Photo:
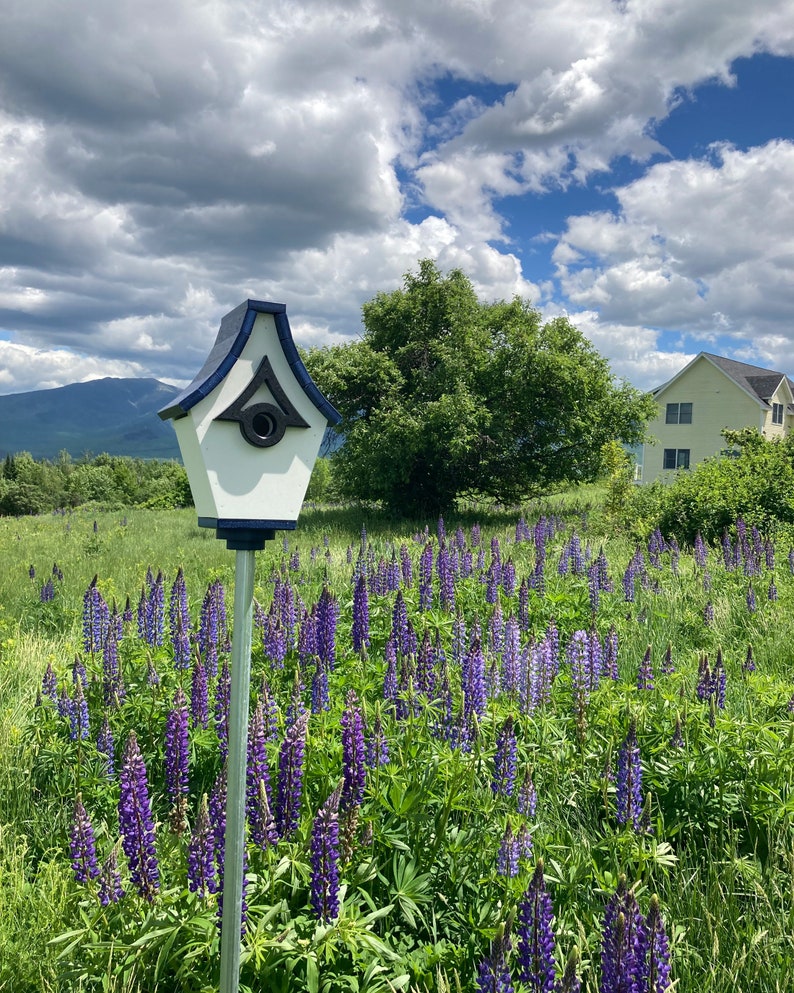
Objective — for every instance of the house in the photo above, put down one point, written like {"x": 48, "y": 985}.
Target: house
{"x": 708, "y": 395}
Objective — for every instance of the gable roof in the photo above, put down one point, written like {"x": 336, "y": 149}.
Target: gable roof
{"x": 760, "y": 384}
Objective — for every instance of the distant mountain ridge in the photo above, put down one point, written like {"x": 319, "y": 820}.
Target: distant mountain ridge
{"x": 117, "y": 416}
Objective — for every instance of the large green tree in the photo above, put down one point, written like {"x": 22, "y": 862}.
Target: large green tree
{"x": 445, "y": 394}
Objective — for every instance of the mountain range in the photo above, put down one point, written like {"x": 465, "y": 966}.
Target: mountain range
{"x": 116, "y": 416}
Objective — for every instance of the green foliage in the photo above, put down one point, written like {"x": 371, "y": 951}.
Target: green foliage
{"x": 28, "y": 486}
{"x": 756, "y": 485}
{"x": 446, "y": 395}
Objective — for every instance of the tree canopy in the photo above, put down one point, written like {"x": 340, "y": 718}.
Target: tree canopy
{"x": 445, "y": 395}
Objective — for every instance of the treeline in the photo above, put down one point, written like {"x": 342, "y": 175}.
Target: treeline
{"x": 30, "y": 486}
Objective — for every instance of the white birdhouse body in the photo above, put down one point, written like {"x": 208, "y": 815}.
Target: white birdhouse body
{"x": 251, "y": 423}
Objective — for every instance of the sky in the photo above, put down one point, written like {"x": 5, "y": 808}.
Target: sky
{"x": 627, "y": 164}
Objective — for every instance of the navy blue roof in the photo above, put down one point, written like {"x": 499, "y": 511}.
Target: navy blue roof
{"x": 235, "y": 330}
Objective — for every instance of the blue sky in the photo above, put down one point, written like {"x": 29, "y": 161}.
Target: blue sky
{"x": 629, "y": 164}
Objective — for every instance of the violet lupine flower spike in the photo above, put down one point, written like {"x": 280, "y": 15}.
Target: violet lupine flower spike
{"x": 136, "y": 822}
{"x": 290, "y": 776}
{"x": 176, "y": 761}
{"x": 569, "y": 981}
{"x": 258, "y": 800}
{"x": 201, "y": 876}
{"x": 325, "y": 859}
{"x": 504, "y": 774}
{"x": 110, "y": 888}
{"x": 493, "y": 975}
{"x": 629, "y": 781}
{"x": 82, "y": 845}
{"x": 508, "y": 855}
{"x": 536, "y": 936}
{"x": 354, "y": 768}
{"x": 624, "y": 944}
{"x": 658, "y": 964}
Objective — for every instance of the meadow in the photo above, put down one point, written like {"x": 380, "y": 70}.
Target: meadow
{"x": 485, "y": 753}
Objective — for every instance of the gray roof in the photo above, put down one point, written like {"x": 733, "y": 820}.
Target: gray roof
{"x": 760, "y": 382}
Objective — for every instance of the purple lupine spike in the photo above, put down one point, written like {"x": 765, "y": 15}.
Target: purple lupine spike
{"x": 610, "y": 661}
{"x": 593, "y": 588}
{"x": 772, "y": 593}
{"x": 199, "y": 695}
{"x": 509, "y": 578}
{"x": 202, "y": 877}
{"x": 630, "y": 582}
{"x": 446, "y": 578}
{"x": 708, "y": 614}
{"x": 79, "y": 675}
{"x": 504, "y": 773}
{"x": 496, "y": 630}
{"x": 274, "y": 640}
{"x": 492, "y": 583}
{"x": 406, "y": 566}
{"x": 703, "y": 688}
{"x": 321, "y": 697}
{"x": 78, "y": 715}
{"x": 667, "y": 665}
{"x": 217, "y": 812}
{"x": 645, "y": 672}
{"x": 523, "y": 604}
{"x": 176, "y": 760}
{"x": 107, "y": 746}
{"x": 179, "y": 621}
{"x": 473, "y": 679}
{"x": 624, "y": 944}
{"x": 749, "y": 662}
{"x": 269, "y": 710}
{"x": 65, "y": 704}
{"x": 325, "y": 859}
{"x": 296, "y": 707}
{"x": 510, "y": 655}
{"x": 32, "y": 571}
{"x": 525, "y": 843}
{"x": 354, "y": 768}
{"x": 96, "y": 618}
{"x": 577, "y": 657}
{"x": 377, "y": 746}
{"x": 136, "y": 823}
{"x": 719, "y": 681}
{"x": 426, "y": 577}
{"x": 507, "y": 856}
{"x": 49, "y": 683}
{"x": 258, "y": 796}
{"x": 425, "y": 680}
{"x": 47, "y": 591}
{"x": 751, "y": 603}
{"x": 126, "y": 614}
{"x": 360, "y": 617}
{"x": 290, "y": 776}
{"x": 629, "y": 781}
{"x": 527, "y": 795}
{"x": 208, "y": 634}
{"x": 155, "y": 612}
{"x": 110, "y": 888}
{"x": 493, "y": 974}
{"x": 700, "y": 551}
{"x": 82, "y": 844}
{"x": 307, "y": 637}
{"x": 113, "y": 689}
{"x": 536, "y": 935}
{"x": 658, "y": 965}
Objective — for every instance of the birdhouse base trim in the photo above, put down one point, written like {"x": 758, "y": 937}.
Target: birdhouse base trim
{"x": 245, "y": 535}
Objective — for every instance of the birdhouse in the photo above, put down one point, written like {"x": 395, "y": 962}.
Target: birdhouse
{"x": 250, "y": 426}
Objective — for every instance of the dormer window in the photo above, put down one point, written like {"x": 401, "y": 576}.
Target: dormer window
{"x": 777, "y": 413}
{"x": 679, "y": 413}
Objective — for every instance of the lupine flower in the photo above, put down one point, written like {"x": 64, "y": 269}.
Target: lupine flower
{"x": 110, "y": 888}
{"x": 677, "y": 741}
{"x": 353, "y": 754}
{"x": 426, "y": 577}
{"x": 700, "y": 551}
{"x": 155, "y": 612}
{"x": 78, "y": 715}
{"x": 176, "y": 760}
{"x": 473, "y": 679}
{"x": 629, "y": 781}
{"x": 179, "y": 621}
{"x": 290, "y": 776}
{"x": 527, "y": 795}
{"x": 645, "y": 673}
{"x": 321, "y": 697}
{"x": 136, "y": 822}
{"x": 199, "y": 696}
{"x": 377, "y": 746}
{"x": 325, "y": 859}
{"x": 772, "y": 591}
{"x": 504, "y": 774}
{"x": 95, "y": 618}
{"x": 82, "y": 844}
{"x": 360, "y": 616}
{"x": 258, "y": 798}
{"x": 49, "y": 683}
{"x": 535, "y": 936}
{"x": 493, "y": 975}
{"x": 65, "y": 704}
{"x": 327, "y": 617}
{"x": 749, "y": 661}
{"x": 269, "y": 710}
{"x": 508, "y": 854}
{"x": 708, "y": 614}
{"x": 751, "y": 603}
{"x": 624, "y": 944}
{"x": 106, "y": 745}
{"x": 446, "y": 579}
{"x": 113, "y": 690}
{"x": 47, "y": 591}
{"x": 658, "y": 965}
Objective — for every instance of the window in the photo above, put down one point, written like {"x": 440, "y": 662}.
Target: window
{"x": 678, "y": 413}
{"x": 777, "y": 413}
{"x": 676, "y": 458}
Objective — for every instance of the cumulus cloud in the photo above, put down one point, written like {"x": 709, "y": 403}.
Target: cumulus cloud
{"x": 704, "y": 246}
{"x": 162, "y": 161}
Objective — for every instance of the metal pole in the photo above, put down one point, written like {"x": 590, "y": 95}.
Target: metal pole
{"x": 235, "y": 771}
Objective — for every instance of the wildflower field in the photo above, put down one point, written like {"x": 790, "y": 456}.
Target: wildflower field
{"x": 512, "y": 752}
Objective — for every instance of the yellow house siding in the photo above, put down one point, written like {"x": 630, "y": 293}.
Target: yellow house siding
{"x": 717, "y": 403}
{"x": 771, "y": 430}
